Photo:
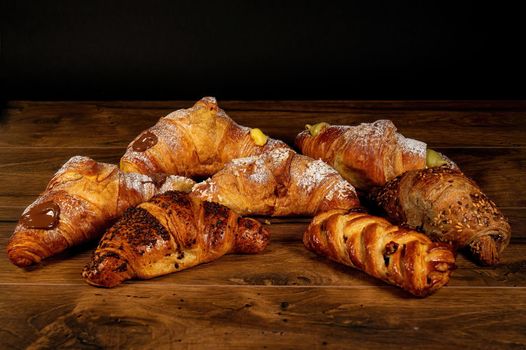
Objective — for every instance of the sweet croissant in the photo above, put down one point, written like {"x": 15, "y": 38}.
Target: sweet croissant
{"x": 194, "y": 142}
{"x": 449, "y": 207}
{"x": 81, "y": 199}
{"x": 171, "y": 232}
{"x": 278, "y": 183}
{"x": 396, "y": 255}
{"x": 369, "y": 154}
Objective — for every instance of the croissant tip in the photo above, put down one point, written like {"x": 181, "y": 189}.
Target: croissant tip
{"x": 485, "y": 250}
{"x": 22, "y": 257}
{"x": 251, "y": 237}
{"x": 108, "y": 279}
{"x": 21, "y": 261}
{"x": 436, "y": 280}
{"x": 106, "y": 269}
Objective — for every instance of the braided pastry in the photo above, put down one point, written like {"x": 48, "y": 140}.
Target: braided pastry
{"x": 396, "y": 255}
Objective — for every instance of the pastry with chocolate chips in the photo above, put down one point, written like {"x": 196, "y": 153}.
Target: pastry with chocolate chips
{"x": 170, "y": 232}
{"x": 396, "y": 255}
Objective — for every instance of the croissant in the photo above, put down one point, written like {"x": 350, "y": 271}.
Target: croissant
{"x": 278, "y": 183}
{"x": 396, "y": 255}
{"x": 369, "y": 154}
{"x": 81, "y": 199}
{"x": 449, "y": 207}
{"x": 194, "y": 142}
{"x": 171, "y": 232}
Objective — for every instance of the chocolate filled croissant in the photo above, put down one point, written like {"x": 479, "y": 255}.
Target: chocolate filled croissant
{"x": 449, "y": 207}
{"x": 194, "y": 142}
{"x": 278, "y": 183}
{"x": 399, "y": 256}
{"x": 171, "y": 232}
{"x": 369, "y": 154}
{"x": 81, "y": 199}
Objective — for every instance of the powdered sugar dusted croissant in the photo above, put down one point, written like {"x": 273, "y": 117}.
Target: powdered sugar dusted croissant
{"x": 449, "y": 207}
{"x": 369, "y": 154}
{"x": 280, "y": 182}
{"x": 81, "y": 199}
{"x": 195, "y": 142}
{"x": 396, "y": 255}
{"x": 171, "y": 232}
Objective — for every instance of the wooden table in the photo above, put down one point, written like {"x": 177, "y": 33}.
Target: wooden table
{"x": 285, "y": 297}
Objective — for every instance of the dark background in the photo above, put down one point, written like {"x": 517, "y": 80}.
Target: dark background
{"x": 261, "y": 50}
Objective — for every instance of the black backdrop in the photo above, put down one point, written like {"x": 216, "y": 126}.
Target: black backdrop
{"x": 66, "y": 49}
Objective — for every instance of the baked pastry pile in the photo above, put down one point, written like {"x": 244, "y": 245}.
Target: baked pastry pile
{"x": 155, "y": 220}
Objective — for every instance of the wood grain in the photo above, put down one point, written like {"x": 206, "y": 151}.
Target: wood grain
{"x": 145, "y": 316}
{"x": 99, "y": 124}
{"x": 286, "y": 297}
{"x": 302, "y": 267}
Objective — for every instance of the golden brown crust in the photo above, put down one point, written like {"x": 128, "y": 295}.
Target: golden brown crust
{"x": 194, "y": 142}
{"x": 278, "y": 183}
{"x": 169, "y": 233}
{"x": 89, "y": 195}
{"x": 449, "y": 207}
{"x": 398, "y": 256}
{"x": 366, "y": 155}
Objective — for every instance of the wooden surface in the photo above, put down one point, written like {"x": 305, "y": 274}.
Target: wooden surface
{"x": 285, "y": 297}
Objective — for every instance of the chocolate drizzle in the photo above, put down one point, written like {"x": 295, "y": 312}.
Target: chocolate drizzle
{"x": 145, "y": 141}
{"x": 42, "y": 216}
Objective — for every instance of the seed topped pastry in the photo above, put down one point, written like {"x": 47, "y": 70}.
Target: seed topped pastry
{"x": 449, "y": 207}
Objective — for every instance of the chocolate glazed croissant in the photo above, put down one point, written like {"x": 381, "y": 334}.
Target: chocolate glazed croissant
{"x": 369, "y": 154}
{"x": 396, "y": 255}
{"x": 194, "y": 142}
{"x": 171, "y": 232}
{"x": 81, "y": 199}
{"x": 278, "y": 183}
{"x": 449, "y": 207}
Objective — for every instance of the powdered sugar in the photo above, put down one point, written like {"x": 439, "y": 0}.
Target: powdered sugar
{"x": 379, "y": 133}
{"x": 141, "y": 183}
{"x": 315, "y": 172}
{"x": 205, "y": 190}
{"x": 243, "y": 161}
{"x": 75, "y": 160}
{"x": 341, "y": 189}
{"x": 279, "y": 155}
{"x": 369, "y": 133}
{"x": 274, "y": 144}
{"x": 168, "y": 133}
{"x": 79, "y": 162}
{"x": 178, "y": 114}
{"x": 177, "y": 183}
{"x": 411, "y": 145}
{"x": 209, "y": 99}
{"x": 263, "y": 165}
{"x": 260, "y": 173}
